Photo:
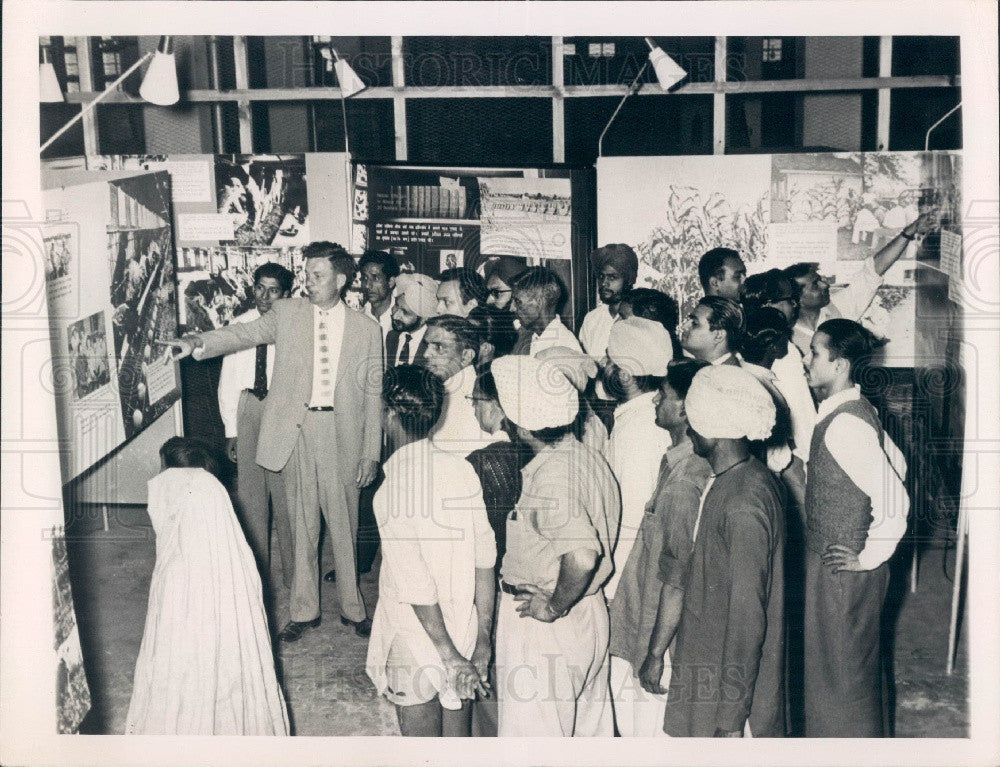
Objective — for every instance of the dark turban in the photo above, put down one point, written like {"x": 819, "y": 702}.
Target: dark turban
{"x": 621, "y": 257}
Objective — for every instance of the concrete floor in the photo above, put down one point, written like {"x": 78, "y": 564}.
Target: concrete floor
{"x": 323, "y": 674}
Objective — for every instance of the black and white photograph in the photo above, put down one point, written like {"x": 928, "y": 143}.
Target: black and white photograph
{"x": 87, "y": 345}
{"x": 634, "y": 388}
{"x": 266, "y": 198}
{"x": 58, "y": 256}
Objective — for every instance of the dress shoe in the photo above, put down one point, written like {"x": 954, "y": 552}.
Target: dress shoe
{"x": 294, "y": 629}
{"x": 361, "y": 628}
{"x": 330, "y": 577}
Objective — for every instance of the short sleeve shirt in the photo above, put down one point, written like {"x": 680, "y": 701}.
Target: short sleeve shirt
{"x": 569, "y": 501}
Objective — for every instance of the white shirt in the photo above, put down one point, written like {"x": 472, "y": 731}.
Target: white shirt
{"x": 876, "y": 470}
{"x": 595, "y": 330}
{"x": 415, "y": 338}
{"x": 334, "y": 317}
{"x": 850, "y": 302}
{"x": 238, "y": 371}
{"x": 457, "y": 429}
{"x": 723, "y": 359}
{"x": 555, "y": 334}
{"x": 790, "y": 380}
{"x": 435, "y": 534}
{"x": 634, "y": 451}
{"x": 384, "y": 320}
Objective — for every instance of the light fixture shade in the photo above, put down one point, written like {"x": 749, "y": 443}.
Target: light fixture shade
{"x": 349, "y": 81}
{"x": 50, "y": 92}
{"x": 668, "y": 72}
{"x": 159, "y": 86}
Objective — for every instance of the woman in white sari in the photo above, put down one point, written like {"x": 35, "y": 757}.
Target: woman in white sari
{"x": 205, "y": 665}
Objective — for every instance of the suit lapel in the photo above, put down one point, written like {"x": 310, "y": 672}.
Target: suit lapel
{"x": 348, "y": 346}
{"x": 305, "y": 324}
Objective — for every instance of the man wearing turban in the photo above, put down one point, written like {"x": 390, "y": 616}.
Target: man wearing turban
{"x": 552, "y": 625}
{"x": 615, "y": 268}
{"x": 416, "y": 302}
{"x": 727, "y": 675}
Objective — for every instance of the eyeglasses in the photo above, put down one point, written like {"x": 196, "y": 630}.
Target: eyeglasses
{"x": 497, "y": 292}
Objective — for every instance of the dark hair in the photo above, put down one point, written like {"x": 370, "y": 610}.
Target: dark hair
{"x": 487, "y": 384}
{"x": 767, "y": 332}
{"x": 768, "y": 287}
{"x": 680, "y": 374}
{"x": 275, "y": 272}
{"x": 544, "y": 279}
{"x": 712, "y": 264}
{"x": 495, "y": 327}
{"x": 341, "y": 261}
{"x": 466, "y": 334}
{"x": 470, "y": 284}
{"x": 799, "y": 270}
{"x": 726, "y": 315}
{"x": 385, "y": 261}
{"x": 189, "y": 452}
{"x": 415, "y": 395}
{"x": 852, "y": 341}
{"x": 200, "y": 288}
{"x": 657, "y": 306}
{"x": 552, "y": 434}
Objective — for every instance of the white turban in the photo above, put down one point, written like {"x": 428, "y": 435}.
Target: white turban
{"x": 727, "y": 402}
{"x": 641, "y": 347}
{"x": 420, "y": 292}
{"x": 579, "y": 368}
{"x": 534, "y": 394}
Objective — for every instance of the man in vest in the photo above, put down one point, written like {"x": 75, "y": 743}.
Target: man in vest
{"x": 856, "y": 508}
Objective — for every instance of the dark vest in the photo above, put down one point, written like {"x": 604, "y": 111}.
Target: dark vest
{"x": 836, "y": 510}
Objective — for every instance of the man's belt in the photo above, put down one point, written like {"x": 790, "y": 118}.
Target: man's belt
{"x": 321, "y": 409}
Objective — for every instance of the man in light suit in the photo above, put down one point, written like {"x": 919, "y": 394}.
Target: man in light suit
{"x": 321, "y": 426}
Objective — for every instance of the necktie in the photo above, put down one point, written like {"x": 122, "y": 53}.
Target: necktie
{"x": 404, "y": 350}
{"x": 325, "y": 377}
{"x": 260, "y": 372}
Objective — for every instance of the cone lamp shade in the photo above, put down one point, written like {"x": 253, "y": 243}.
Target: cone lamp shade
{"x": 668, "y": 72}
{"x": 159, "y": 86}
{"x": 349, "y": 81}
{"x": 50, "y": 92}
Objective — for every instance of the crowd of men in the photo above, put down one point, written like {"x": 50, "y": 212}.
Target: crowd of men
{"x": 580, "y": 535}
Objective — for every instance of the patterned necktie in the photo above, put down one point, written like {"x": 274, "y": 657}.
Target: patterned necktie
{"x": 404, "y": 350}
{"x": 260, "y": 372}
{"x": 325, "y": 382}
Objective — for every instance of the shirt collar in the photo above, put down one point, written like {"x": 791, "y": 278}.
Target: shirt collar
{"x": 678, "y": 452}
{"x": 834, "y": 401}
{"x": 462, "y": 382}
{"x": 553, "y": 326}
{"x": 334, "y": 311}
{"x": 723, "y": 359}
{"x": 641, "y": 402}
{"x": 542, "y": 456}
{"x": 415, "y": 335}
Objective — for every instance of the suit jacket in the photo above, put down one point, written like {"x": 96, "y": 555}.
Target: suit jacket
{"x": 392, "y": 348}
{"x": 357, "y": 393}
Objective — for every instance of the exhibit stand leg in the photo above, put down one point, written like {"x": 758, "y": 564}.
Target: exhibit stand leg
{"x": 956, "y": 589}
